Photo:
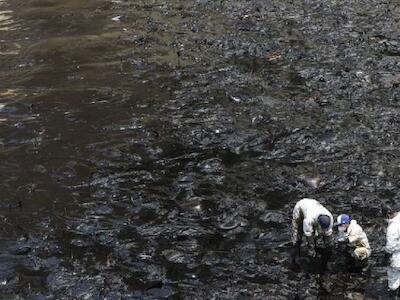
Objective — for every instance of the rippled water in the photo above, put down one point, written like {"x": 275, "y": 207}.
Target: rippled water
{"x": 155, "y": 149}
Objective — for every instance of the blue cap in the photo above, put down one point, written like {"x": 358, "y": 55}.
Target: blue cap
{"x": 342, "y": 219}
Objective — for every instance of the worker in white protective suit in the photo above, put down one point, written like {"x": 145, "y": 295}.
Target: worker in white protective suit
{"x": 311, "y": 219}
{"x": 357, "y": 245}
{"x": 393, "y": 248}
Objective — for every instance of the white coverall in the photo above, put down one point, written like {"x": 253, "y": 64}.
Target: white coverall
{"x": 357, "y": 240}
{"x": 393, "y": 247}
{"x": 305, "y": 219}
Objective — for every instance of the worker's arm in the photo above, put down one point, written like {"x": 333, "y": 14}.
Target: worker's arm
{"x": 308, "y": 227}
{"x": 392, "y": 240}
{"x": 353, "y": 239}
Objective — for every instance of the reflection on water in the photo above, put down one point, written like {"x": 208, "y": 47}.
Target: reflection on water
{"x": 6, "y": 19}
{"x": 7, "y": 23}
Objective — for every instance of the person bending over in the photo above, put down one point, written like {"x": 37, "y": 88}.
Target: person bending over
{"x": 312, "y": 219}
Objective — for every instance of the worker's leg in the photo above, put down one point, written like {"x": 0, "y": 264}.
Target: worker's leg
{"x": 297, "y": 230}
{"x": 297, "y": 226}
{"x": 393, "y": 278}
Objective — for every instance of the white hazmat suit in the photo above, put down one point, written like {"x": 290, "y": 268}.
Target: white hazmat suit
{"x": 393, "y": 248}
{"x": 358, "y": 241}
{"x": 305, "y": 220}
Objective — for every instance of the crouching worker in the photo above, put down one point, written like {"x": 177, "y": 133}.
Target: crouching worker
{"x": 313, "y": 220}
{"x": 356, "y": 241}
